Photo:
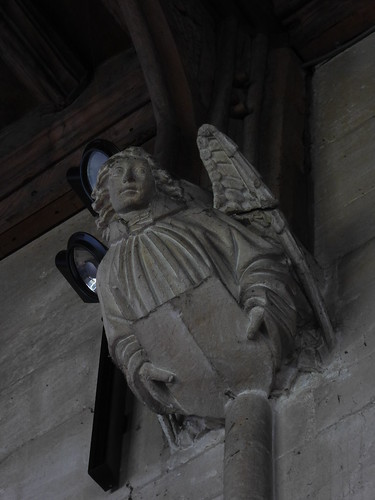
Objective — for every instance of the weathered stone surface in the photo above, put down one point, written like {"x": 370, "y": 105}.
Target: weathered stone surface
{"x": 49, "y": 357}
{"x": 356, "y": 314}
{"x": 151, "y": 471}
{"x": 50, "y": 319}
{"x": 328, "y": 447}
{"x": 47, "y": 397}
{"x": 325, "y": 425}
{"x": 295, "y": 417}
{"x": 323, "y": 432}
{"x": 248, "y": 464}
{"x": 51, "y": 466}
{"x": 145, "y": 450}
{"x": 344, "y": 192}
{"x": 342, "y": 154}
{"x": 343, "y": 93}
{"x": 337, "y": 464}
{"x": 199, "y": 478}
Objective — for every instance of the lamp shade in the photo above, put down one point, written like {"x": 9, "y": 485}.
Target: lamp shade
{"x": 79, "y": 264}
{"x": 94, "y": 155}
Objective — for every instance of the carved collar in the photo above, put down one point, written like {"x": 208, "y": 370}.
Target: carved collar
{"x": 134, "y": 222}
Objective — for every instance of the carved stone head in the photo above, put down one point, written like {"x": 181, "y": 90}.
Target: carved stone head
{"x": 129, "y": 181}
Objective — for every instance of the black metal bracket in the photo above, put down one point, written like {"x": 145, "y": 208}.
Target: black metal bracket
{"x": 109, "y": 422}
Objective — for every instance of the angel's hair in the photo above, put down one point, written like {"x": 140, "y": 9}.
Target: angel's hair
{"x": 102, "y": 204}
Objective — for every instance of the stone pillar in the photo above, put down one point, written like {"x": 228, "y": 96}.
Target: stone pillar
{"x": 248, "y": 448}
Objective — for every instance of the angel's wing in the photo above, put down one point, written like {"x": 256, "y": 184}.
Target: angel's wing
{"x": 236, "y": 185}
{"x": 239, "y": 190}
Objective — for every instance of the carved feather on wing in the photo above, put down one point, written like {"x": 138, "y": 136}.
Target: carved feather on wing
{"x": 236, "y": 186}
{"x": 238, "y": 190}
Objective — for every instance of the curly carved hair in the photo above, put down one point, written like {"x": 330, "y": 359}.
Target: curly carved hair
{"x": 102, "y": 204}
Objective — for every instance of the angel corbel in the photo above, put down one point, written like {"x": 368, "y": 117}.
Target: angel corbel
{"x": 200, "y": 303}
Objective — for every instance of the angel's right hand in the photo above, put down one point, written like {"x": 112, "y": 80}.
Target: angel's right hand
{"x": 146, "y": 380}
{"x": 148, "y": 372}
{"x": 156, "y": 392}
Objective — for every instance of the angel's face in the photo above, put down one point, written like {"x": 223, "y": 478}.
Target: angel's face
{"x": 131, "y": 185}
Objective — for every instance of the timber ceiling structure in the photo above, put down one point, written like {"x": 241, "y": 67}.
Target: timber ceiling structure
{"x": 149, "y": 72}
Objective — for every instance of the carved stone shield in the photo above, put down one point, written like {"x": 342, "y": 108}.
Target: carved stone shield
{"x": 200, "y": 336}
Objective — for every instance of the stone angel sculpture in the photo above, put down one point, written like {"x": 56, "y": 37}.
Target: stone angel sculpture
{"x": 200, "y": 302}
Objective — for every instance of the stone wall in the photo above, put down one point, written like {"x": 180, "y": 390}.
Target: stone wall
{"x": 49, "y": 356}
{"x": 324, "y": 426}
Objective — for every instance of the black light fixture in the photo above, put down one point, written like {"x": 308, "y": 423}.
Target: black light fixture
{"x": 109, "y": 423}
{"x": 83, "y": 178}
{"x": 94, "y": 155}
{"x": 79, "y": 263}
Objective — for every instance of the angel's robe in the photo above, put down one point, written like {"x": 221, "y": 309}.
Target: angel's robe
{"x": 163, "y": 256}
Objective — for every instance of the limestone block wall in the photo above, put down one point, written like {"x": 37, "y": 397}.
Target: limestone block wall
{"x": 325, "y": 427}
{"x": 49, "y": 352}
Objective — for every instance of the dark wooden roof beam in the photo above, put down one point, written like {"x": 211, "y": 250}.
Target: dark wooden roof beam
{"x": 51, "y": 184}
{"x": 34, "y": 192}
{"x": 166, "y": 80}
{"x": 117, "y": 90}
{"x": 37, "y": 56}
{"x": 316, "y": 28}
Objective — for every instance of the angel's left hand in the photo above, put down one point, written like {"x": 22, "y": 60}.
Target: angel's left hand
{"x": 256, "y": 317}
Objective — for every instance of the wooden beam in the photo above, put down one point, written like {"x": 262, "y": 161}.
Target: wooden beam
{"x": 194, "y": 28}
{"x": 260, "y": 15}
{"x": 257, "y": 74}
{"x": 224, "y": 72}
{"x": 283, "y": 8}
{"x": 38, "y": 57}
{"x": 30, "y": 147}
{"x": 37, "y": 152}
{"x": 166, "y": 80}
{"x": 39, "y": 223}
{"x": 51, "y": 184}
{"x": 317, "y": 27}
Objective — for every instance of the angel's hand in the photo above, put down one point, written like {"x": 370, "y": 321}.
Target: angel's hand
{"x": 155, "y": 381}
{"x": 256, "y": 317}
{"x": 148, "y": 371}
